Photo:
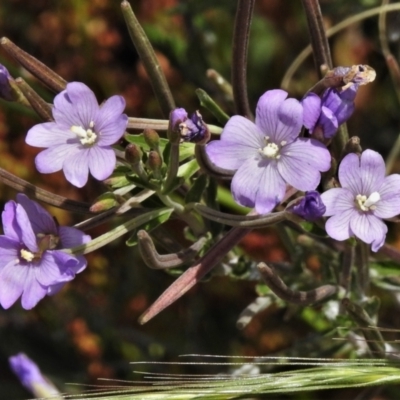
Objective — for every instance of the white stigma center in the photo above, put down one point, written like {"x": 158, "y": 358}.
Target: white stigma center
{"x": 367, "y": 204}
{"x": 271, "y": 150}
{"x": 27, "y": 255}
{"x": 86, "y": 136}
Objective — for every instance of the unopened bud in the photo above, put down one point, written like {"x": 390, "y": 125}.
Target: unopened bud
{"x": 310, "y": 207}
{"x": 104, "y": 202}
{"x": 151, "y": 138}
{"x": 154, "y": 162}
{"x": 133, "y": 154}
{"x": 5, "y": 87}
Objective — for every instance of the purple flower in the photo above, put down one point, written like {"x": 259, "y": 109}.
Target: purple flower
{"x": 310, "y": 206}
{"x": 5, "y": 88}
{"x": 80, "y": 139}
{"x": 365, "y": 198}
{"x": 30, "y": 376}
{"x": 30, "y": 264}
{"x": 328, "y": 113}
{"x": 269, "y": 154}
{"x": 191, "y": 129}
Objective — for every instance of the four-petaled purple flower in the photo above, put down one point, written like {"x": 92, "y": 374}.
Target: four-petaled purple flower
{"x": 30, "y": 264}
{"x": 30, "y": 376}
{"x": 327, "y": 114}
{"x": 365, "y": 198}
{"x": 80, "y": 139}
{"x": 310, "y": 207}
{"x": 268, "y": 154}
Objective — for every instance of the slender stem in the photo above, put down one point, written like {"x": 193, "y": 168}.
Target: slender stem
{"x": 42, "y": 108}
{"x": 117, "y": 232}
{"x": 285, "y": 83}
{"x": 160, "y": 125}
{"x": 393, "y": 154}
{"x": 172, "y": 171}
{"x": 149, "y": 59}
{"x": 195, "y": 273}
{"x": 243, "y": 221}
{"x": 362, "y": 264}
{"x": 275, "y": 283}
{"x": 319, "y": 41}
{"x": 47, "y": 197}
{"x": 244, "y": 13}
{"x": 34, "y": 66}
{"x": 347, "y": 263}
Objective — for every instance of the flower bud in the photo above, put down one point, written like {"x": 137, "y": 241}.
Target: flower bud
{"x": 191, "y": 129}
{"x": 154, "y": 162}
{"x": 310, "y": 207}
{"x": 151, "y": 138}
{"x": 30, "y": 376}
{"x": 6, "y": 92}
{"x": 104, "y": 202}
{"x": 133, "y": 154}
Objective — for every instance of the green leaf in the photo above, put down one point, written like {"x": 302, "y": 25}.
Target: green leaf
{"x": 189, "y": 169}
{"x": 148, "y": 227}
{"x": 196, "y": 191}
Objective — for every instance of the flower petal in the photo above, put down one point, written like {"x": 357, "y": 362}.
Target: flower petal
{"x": 245, "y": 183}
{"x": 328, "y": 122}
{"x": 369, "y": 229}
{"x": 71, "y": 237}
{"x": 258, "y": 184}
{"x": 52, "y": 159}
{"x": 290, "y": 121}
{"x": 267, "y": 110}
{"x": 76, "y": 168}
{"x": 239, "y": 141}
{"x": 301, "y": 162}
{"x": 49, "y": 134}
{"x": 389, "y": 204}
{"x": 372, "y": 171}
{"x": 12, "y": 282}
{"x": 338, "y": 226}
{"x": 349, "y": 174}
{"x": 337, "y": 201}
{"x": 85, "y": 106}
{"x": 28, "y": 236}
{"x": 102, "y": 162}
{"x": 33, "y": 291}
{"x": 10, "y": 225}
{"x": 271, "y": 189}
{"x": 40, "y": 219}
{"x": 110, "y": 123}
{"x": 54, "y": 268}
{"x": 311, "y": 110}
{"x": 9, "y": 250}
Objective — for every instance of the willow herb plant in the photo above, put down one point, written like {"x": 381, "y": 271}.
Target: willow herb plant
{"x": 293, "y": 165}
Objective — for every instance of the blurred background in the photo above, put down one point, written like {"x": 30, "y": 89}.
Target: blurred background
{"x": 90, "y": 329}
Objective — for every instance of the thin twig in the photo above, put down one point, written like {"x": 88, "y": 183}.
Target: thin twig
{"x": 47, "y": 197}
{"x": 319, "y": 41}
{"x": 149, "y": 60}
{"x": 244, "y": 13}
{"x": 275, "y": 283}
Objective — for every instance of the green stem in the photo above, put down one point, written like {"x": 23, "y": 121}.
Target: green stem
{"x": 149, "y": 59}
{"x": 117, "y": 232}
{"x": 173, "y": 167}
